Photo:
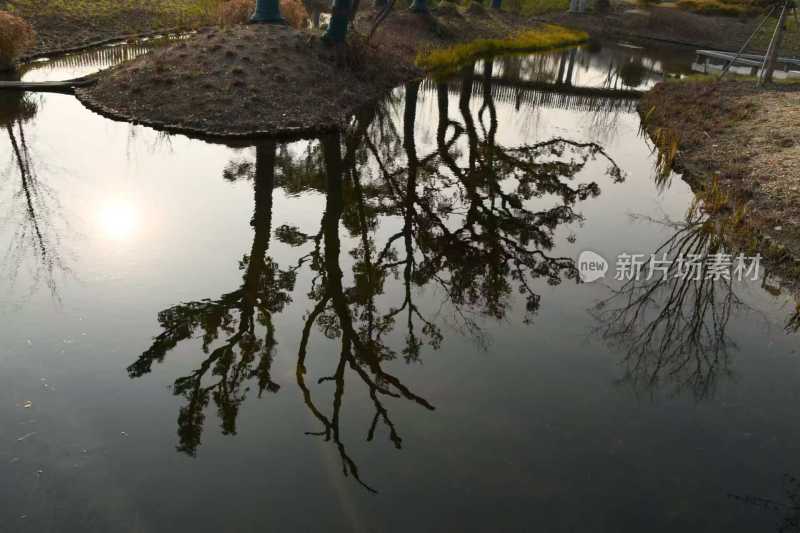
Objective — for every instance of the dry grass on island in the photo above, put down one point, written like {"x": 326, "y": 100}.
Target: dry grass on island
{"x": 244, "y": 80}
{"x": 250, "y": 80}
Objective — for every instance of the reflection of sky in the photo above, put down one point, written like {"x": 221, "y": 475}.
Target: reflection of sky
{"x": 595, "y": 67}
{"x": 80, "y": 64}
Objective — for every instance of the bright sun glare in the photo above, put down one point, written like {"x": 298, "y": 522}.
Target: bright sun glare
{"x": 119, "y": 221}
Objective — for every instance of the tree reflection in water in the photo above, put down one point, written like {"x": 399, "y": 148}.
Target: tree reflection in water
{"x": 265, "y": 290}
{"x": 466, "y": 229}
{"x": 34, "y": 209}
{"x": 673, "y": 328}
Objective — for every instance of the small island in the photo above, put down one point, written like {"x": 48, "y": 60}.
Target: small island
{"x": 272, "y": 79}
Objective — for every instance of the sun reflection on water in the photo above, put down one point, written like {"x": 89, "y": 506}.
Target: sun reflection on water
{"x": 119, "y": 220}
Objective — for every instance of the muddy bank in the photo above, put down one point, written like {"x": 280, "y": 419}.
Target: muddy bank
{"x": 270, "y": 80}
{"x": 743, "y": 141}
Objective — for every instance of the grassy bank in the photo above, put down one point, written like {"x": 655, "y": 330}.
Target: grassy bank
{"x": 736, "y": 138}
{"x": 544, "y": 38}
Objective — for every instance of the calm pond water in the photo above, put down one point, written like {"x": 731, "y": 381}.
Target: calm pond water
{"x": 380, "y": 330}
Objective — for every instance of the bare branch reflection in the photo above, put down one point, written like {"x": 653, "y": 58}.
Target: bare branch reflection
{"x": 34, "y": 211}
{"x": 438, "y": 236}
{"x": 673, "y": 327}
{"x": 243, "y": 353}
{"x": 789, "y": 509}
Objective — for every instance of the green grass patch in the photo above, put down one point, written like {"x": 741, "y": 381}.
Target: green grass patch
{"x": 545, "y": 38}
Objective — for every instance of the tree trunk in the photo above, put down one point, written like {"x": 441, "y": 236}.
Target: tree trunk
{"x": 443, "y": 106}
{"x": 334, "y": 207}
{"x": 419, "y": 6}
{"x": 340, "y": 19}
{"x": 601, "y": 6}
{"x": 263, "y": 186}
{"x": 570, "y": 67}
{"x": 409, "y": 122}
{"x": 267, "y": 12}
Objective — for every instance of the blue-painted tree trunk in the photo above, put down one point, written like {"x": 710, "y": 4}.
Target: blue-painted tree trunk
{"x": 419, "y": 6}
{"x": 496, "y": 4}
{"x": 340, "y": 19}
{"x": 267, "y": 12}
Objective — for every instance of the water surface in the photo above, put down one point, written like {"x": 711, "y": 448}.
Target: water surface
{"x": 381, "y": 329}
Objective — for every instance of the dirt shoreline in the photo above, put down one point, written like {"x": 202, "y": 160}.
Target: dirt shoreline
{"x": 740, "y": 140}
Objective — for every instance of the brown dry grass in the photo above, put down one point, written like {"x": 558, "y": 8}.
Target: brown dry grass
{"x": 235, "y": 12}
{"x": 295, "y": 13}
{"x": 245, "y": 79}
{"x": 16, "y": 37}
{"x": 743, "y": 139}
